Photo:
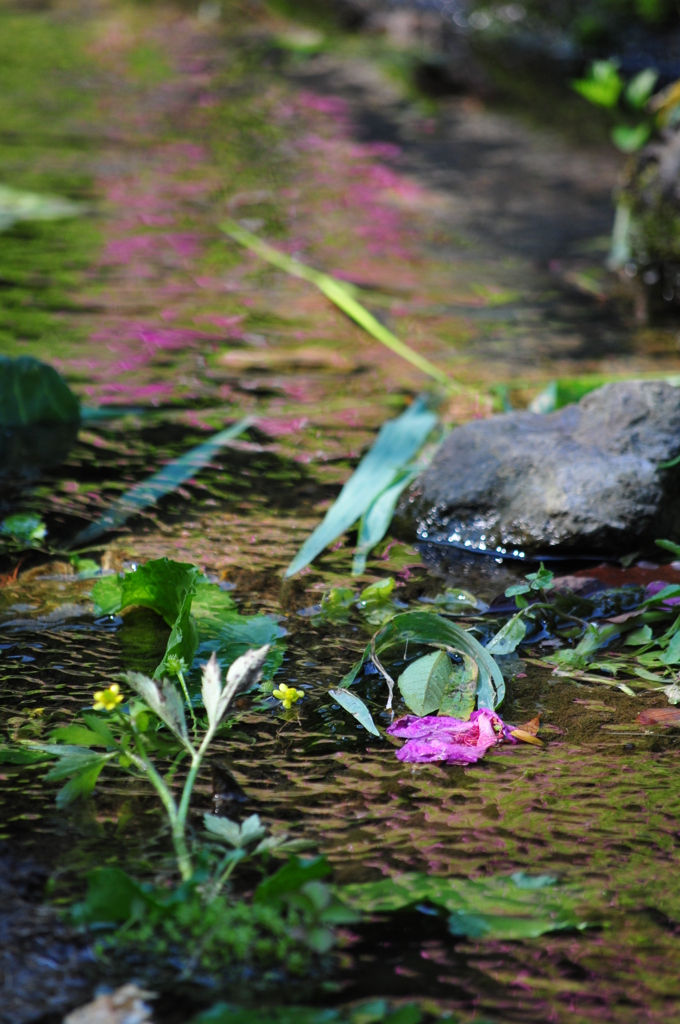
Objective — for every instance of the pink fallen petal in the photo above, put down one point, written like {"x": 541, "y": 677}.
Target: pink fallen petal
{"x": 441, "y": 738}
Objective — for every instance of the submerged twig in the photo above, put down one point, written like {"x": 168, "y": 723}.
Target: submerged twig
{"x": 385, "y": 674}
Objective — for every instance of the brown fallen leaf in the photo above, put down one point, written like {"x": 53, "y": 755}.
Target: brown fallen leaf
{"x": 309, "y": 357}
{"x": 124, "y": 1006}
{"x": 659, "y": 716}
{"x": 526, "y": 737}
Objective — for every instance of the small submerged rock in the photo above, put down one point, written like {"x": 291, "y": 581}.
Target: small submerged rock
{"x": 585, "y": 480}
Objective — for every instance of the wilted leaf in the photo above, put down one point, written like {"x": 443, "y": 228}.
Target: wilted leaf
{"x": 356, "y": 707}
{"x": 659, "y": 716}
{"x": 460, "y": 696}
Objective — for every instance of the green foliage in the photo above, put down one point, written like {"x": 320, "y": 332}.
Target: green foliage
{"x": 509, "y": 637}
{"x": 603, "y": 84}
{"x": 290, "y": 918}
{"x": 604, "y": 87}
{"x": 436, "y": 631}
{"x": 381, "y": 469}
{"x": 377, "y": 1011}
{"x": 32, "y": 392}
{"x": 202, "y": 617}
{"x": 24, "y": 530}
{"x": 497, "y": 907}
{"x": 425, "y": 681}
{"x": 356, "y": 707}
{"x": 461, "y": 695}
{"x": 536, "y": 582}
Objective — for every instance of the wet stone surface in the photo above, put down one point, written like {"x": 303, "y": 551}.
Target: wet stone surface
{"x": 582, "y": 481}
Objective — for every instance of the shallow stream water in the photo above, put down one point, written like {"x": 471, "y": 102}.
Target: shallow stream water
{"x": 477, "y": 238}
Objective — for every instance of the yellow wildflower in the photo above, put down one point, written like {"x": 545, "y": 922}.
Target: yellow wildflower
{"x": 288, "y": 695}
{"x": 108, "y": 700}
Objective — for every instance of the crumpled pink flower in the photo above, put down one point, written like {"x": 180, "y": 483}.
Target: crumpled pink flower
{"x": 442, "y": 738}
{"x": 655, "y": 587}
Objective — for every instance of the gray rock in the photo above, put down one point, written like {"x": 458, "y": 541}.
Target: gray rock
{"x": 583, "y": 480}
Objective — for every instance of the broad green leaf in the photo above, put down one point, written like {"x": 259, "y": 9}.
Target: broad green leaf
{"x": 167, "y": 480}
{"x": 202, "y": 617}
{"x": 97, "y": 723}
{"x": 593, "y": 639}
{"x": 32, "y": 392}
{"x": 396, "y": 444}
{"x": 375, "y": 522}
{"x": 356, "y": 707}
{"x": 342, "y": 295}
{"x": 167, "y": 588}
{"x": 496, "y": 907}
{"x": 81, "y": 784}
{"x": 160, "y": 584}
{"x": 24, "y": 529}
{"x": 603, "y": 85}
{"x": 290, "y": 878}
{"x": 629, "y": 140}
{"x": 112, "y": 898}
{"x": 509, "y": 637}
{"x": 671, "y": 656}
{"x": 435, "y": 630}
{"x": 637, "y": 637}
{"x": 228, "y": 1013}
{"x": 11, "y": 755}
{"x": 640, "y": 88}
{"x": 461, "y": 695}
{"x": 424, "y": 683}
{"x": 499, "y": 926}
{"x": 77, "y": 734}
{"x": 16, "y": 205}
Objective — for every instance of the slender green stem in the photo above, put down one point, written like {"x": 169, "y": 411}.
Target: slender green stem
{"x": 180, "y": 676}
{"x": 177, "y": 827}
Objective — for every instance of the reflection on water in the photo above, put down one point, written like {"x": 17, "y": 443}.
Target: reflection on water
{"x": 154, "y": 310}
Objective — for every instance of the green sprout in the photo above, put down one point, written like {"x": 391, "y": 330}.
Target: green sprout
{"x": 130, "y": 740}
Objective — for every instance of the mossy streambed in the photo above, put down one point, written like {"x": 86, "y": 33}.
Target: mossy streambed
{"x": 160, "y": 120}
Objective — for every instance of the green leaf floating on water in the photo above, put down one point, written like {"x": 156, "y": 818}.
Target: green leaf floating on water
{"x": 356, "y": 707}
{"x": 435, "y": 630}
{"x": 508, "y": 638}
{"x": 167, "y": 480}
{"x": 396, "y": 444}
{"x": 201, "y": 616}
{"x": 498, "y": 907}
{"x": 16, "y": 205}
{"x": 425, "y": 681}
{"x": 32, "y": 392}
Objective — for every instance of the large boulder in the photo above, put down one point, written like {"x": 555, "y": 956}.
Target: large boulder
{"x": 587, "y": 479}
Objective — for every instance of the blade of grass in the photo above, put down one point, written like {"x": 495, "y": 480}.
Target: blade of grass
{"x": 398, "y": 441}
{"x": 157, "y": 486}
{"x": 338, "y": 293}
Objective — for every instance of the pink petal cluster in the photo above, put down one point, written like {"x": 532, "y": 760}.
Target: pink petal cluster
{"x": 440, "y": 738}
